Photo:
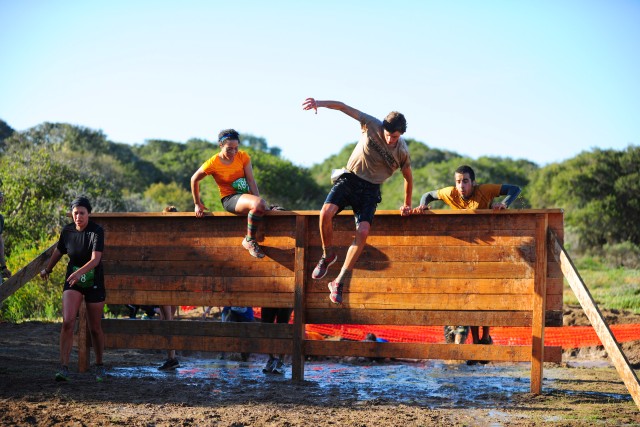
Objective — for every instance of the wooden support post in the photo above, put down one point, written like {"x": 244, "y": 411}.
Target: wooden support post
{"x": 539, "y": 304}
{"x": 84, "y": 339}
{"x": 594, "y": 315}
{"x": 297, "y": 365}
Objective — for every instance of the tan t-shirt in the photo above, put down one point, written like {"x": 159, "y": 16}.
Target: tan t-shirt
{"x": 372, "y": 159}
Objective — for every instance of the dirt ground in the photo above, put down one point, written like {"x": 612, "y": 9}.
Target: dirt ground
{"x": 208, "y": 391}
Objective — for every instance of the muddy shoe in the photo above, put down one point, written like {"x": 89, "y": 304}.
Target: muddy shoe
{"x": 101, "y": 373}
{"x": 253, "y": 248}
{"x": 335, "y": 290}
{"x": 62, "y": 374}
{"x": 169, "y": 364}
{"x": 278, "y": 367}
{"x": 323, "y": 266}
{"x": 268, "y": 368}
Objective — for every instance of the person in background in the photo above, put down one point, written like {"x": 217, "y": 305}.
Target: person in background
{"x": 275, "y": 365}
{"x": 231, "y": 169}
{"x": 5, "y": 273}
{"x": 467, "y": 194}
{"x": 379, "y": 152}
{"x": 238, "y": 314}
{"x": 83, "y": 242}
{"x": 166, "y": 313}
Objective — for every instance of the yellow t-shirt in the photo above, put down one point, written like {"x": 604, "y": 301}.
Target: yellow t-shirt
{"x": 226, "y": 175}
{"x": 482, "y": 196}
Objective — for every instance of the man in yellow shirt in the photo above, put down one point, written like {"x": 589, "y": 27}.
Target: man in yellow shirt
{"x": 467, "y": 194}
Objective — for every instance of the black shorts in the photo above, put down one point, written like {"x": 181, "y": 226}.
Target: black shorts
{"x": 361, "y": 195}
{"x": 229, "y": 202}
{"x": 91, "y": 295}
{"x": 280, "y": 315}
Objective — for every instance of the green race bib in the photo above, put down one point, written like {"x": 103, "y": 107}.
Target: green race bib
{"x": 86, "y": 280}
{"x": 240, "y": 185}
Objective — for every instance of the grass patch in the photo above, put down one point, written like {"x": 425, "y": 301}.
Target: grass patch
{"x": 617, "y": 288}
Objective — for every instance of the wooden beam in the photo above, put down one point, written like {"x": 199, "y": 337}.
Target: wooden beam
{"x": 502, "y": 353}
{"x": 539, "y": 304}
{"x": 27, "y": 273}
{"x": 594, "y": 315}
{"x": 83, "y": 339}
{"x": 297, "y": 365}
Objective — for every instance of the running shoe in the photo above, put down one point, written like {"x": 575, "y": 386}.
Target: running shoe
{"x": 323, "y": 266}
{"x": 279, "y": 367}
{"x": 335, "y": 290}
{"x": 63, "y": 374}
{"x": 169, "y": 364}
{"x": 101, "y": 373}
{"x": 253, "y": 248}
{"x": 268, "y": 368}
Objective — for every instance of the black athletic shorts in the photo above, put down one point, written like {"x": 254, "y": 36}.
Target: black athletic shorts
{"x": 91, "y": 295}
{"x": 229, "y": 202}
{"x": 361, "y": 195}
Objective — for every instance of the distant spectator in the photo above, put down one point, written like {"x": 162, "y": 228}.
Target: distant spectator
{"x": 166, "y": 313}
{"x": 238, "y": 314}
{"x": 275, "y": 365}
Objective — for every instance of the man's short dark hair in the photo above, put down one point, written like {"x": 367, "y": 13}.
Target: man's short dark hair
{"x": 395, "y": 122}
{"x": 226, "y": 134}
{"x": 466, "y": 169}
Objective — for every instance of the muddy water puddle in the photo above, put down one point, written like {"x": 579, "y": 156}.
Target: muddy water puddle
{"x": 433, "y": 384}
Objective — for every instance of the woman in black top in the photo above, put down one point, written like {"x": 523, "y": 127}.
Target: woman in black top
{"x": 83, "y": 242}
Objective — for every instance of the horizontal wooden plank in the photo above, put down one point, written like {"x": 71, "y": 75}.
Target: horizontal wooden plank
{"x": 315, "y": 213}
{"x": 191, "y": 239}
{"x": 426, "y": 351}
{"x": 445, "y": 270}
{"x": 170, "y": 252}
{"x": 198, "y": 328}
{"x": 474, "y": 253}
{"x": 218, "y": 226}
{"x": 441, "y": 224}
{"x": 429, "y": 239}
{"x": 200, "y": 343}
{"x": 250, "y": 299}
{"x": 200, "y": 283}
{"x": 249, "y": 266}
{"x": 420, "y": 302}
{"x": 431, "y": 285}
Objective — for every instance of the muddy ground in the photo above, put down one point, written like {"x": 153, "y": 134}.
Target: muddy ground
{"x": 208, "y": 391}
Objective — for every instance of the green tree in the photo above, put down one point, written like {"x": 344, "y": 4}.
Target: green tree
{"x": 598, "y": 192}
{"x": 169, "y": 194}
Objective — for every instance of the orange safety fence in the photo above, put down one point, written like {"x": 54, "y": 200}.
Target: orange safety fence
{"x": 565, "y": 336}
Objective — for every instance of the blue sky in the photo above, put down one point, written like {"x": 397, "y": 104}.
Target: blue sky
{"x": 540, "y": 80}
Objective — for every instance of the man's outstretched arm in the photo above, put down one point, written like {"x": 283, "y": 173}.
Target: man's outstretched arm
{"x": 314, "y": 104}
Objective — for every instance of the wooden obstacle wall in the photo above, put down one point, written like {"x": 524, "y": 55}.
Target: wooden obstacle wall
{"x": 444, "y": 267}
